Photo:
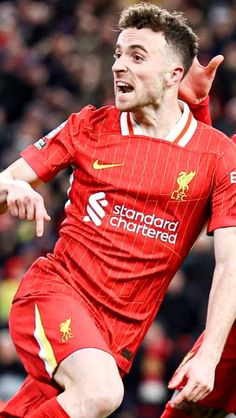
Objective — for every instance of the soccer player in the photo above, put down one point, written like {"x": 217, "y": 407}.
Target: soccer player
{"x": 146, "y": 178}
{"x": 222, "y": 400}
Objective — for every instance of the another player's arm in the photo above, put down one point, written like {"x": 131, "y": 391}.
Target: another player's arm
{"x": 17, "y": 194}
{"x": 195, "y": 87}
{"x": 200, "y": 370}
{"x": 222, "y": 302}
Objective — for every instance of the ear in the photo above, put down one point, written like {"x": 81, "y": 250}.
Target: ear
{"x": 174, "y": 76}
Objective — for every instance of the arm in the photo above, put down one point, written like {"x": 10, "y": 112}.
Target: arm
{"x": 19, "y": 197}
{"x": 195, "y": 87}
{"x": 200, "y": 370}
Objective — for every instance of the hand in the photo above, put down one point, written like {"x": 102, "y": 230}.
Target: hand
{"x": 26, "y": 203}
{"x": 199, "y": 375}
{"x": 197, "y": 83}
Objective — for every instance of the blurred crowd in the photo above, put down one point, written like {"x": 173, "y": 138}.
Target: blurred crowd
{"x": 56, "y": 57}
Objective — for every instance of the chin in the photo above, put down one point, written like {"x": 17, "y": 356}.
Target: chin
{"x": 123, "y": 107}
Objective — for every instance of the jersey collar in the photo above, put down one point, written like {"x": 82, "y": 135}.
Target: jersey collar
{"x": 180, "y": 134}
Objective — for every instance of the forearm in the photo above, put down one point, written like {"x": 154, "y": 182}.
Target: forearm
{"x": 17, "y": 174}
{"x": 18, "y": 195}
{"x": 19, "y": 170}
{"x": 221, "y": 310}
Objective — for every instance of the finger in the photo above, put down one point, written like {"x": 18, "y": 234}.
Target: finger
{"x": 178, "y": 399}
{"x": 29, "y": 208}
{"x": 41, "y": 215}
{"x": 191, "y": 393}
{"x": 21, "y": 209}
{"x": 176, "y": 379}
{"x": 198, "y": 396}
{"x": 47, "y": 217}
{"x": 13, "y": 208}
{"x": 200, "y": 393}
{"x": 39, "y": 226}
{"x": 188, "y": 393}
{"x": 39, "y": 218}
{"x": 213, "y": 65}
{"x": 30, "y": 211}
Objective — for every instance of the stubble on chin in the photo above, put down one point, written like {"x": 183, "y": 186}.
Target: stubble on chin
{"x": 124, "y": 107}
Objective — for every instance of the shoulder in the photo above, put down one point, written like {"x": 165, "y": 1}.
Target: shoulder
{"x": 233, "y": 137}
{"x": 214, "y": 140}
{"x": 89, "y": 117}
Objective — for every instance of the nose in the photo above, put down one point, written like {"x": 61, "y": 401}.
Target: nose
{"x": 119, "y": 65}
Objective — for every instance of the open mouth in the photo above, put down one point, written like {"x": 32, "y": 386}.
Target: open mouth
{"x": 123, "y": 87}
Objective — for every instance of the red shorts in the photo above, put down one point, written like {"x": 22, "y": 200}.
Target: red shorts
{"x": 48, "y": 328}
{"x": 223, "y": 396}
{"x": 29, "y": 397}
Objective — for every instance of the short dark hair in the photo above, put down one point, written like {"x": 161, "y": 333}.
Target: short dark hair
{"x": 173, "y": 25}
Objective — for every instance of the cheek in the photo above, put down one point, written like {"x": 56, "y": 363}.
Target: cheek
{"x": 148, "y": 80}
{"x": 158, "y": 81}
{"x": 152, "y": 84}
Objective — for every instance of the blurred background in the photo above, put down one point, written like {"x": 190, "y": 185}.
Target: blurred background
{"x": 56, "y": 57}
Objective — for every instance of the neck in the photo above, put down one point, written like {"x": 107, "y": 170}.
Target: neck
{"x": 157, "y": 123}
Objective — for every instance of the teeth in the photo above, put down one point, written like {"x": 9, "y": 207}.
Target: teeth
{"x": 122, "y": 84}
{"x": 123, "y": 87}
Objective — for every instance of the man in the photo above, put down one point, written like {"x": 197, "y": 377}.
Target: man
{"x": 145, "y": 182}
{"x": 222, "y": 400}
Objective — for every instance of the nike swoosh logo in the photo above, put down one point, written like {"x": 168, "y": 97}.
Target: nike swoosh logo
{"x": 98, "y": 166}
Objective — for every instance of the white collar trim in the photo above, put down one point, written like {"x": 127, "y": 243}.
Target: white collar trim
{"x": 180, "y": 134}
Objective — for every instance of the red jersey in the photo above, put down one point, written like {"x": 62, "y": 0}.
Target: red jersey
{"x": 136, "y": 206}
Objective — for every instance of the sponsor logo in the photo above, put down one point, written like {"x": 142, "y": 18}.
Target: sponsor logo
{"x": 147, "y": 225}
{"x": 40, "y": 143}
{"x": 99, "y": 166}
{"x": 183, "y": 181}
{"x": 65, "y": 328}
{"x": 94, "y": 208}
{"x": 233, "y": 177}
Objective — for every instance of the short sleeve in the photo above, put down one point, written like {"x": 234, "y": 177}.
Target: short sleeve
{"x": 223, "y": 204}
{"x": 56, "y": 150}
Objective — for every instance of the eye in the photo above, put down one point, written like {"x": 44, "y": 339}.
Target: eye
{"x": 137, "y": 58}
{"x": 117, "y": 55}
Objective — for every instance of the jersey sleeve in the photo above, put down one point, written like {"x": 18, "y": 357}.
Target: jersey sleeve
{"x": 56, "y": 150}
{"x": 201, "y": 111}
{"x": 223, "y": 204}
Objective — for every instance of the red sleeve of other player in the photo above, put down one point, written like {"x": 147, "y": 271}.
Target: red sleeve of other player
{"x": 201, "y": 111}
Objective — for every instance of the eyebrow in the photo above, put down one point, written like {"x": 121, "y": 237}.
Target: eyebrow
{"x": 135, "y": 46}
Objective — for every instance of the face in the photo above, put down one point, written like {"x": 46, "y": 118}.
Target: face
{"x": 140, "y": 69}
